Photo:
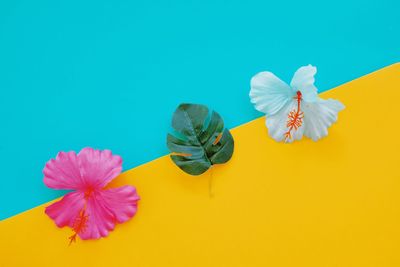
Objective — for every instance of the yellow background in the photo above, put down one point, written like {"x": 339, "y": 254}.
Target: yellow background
{"x": 335, "y": 202}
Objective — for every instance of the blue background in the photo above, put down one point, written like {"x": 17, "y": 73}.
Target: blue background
{"x": 109, "y": 74}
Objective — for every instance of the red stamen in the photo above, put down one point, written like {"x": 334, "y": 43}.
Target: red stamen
{"x": 79, "y": 225}
{"x": 295, "y": 118}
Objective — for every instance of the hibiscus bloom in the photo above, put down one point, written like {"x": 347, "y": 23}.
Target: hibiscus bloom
{"x": 295, "y": 110}
{"x": 90, "y": 210}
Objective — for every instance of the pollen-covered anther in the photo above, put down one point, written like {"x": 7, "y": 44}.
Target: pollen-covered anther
{"x": 79, "y": 225}
{"x": 295, "y": 118}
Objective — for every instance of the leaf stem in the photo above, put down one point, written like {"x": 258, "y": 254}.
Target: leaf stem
{"x": 210, "y": 183}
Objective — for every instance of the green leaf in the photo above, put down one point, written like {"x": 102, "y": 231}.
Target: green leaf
{"x": 200, "y": 140}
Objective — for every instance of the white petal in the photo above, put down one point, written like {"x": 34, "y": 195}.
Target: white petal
{"x": 303, "y": 81}
{"x": 319, "y": 116}
{"x": 268, "y": 93}
{"x": 277, "y": 124}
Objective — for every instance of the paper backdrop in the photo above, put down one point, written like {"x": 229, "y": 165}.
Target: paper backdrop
{"x": 334, "y": 202}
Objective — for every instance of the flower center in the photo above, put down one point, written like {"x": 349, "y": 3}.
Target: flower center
{"x": 88, "y": 192}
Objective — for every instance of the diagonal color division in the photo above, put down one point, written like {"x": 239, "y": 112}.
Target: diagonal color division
{"x": 330, "y": 203}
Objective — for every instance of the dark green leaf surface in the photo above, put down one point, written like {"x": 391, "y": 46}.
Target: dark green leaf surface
{"x": 200, "y": 139}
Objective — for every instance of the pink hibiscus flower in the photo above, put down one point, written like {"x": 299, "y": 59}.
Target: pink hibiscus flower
{"x": 90, "y": 210}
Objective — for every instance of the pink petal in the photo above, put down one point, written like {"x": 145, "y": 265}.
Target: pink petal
{"x": 105, "y": 208}
{"x": 98, "y": 168}
{"x": 63, "y": 172}
{"x": 65, "y": 211}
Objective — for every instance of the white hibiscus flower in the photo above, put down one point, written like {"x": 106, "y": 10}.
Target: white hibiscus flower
{"x": 295, "y": 110}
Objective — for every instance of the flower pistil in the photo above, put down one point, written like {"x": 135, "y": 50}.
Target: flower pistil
{"x": 295, "y": 118}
